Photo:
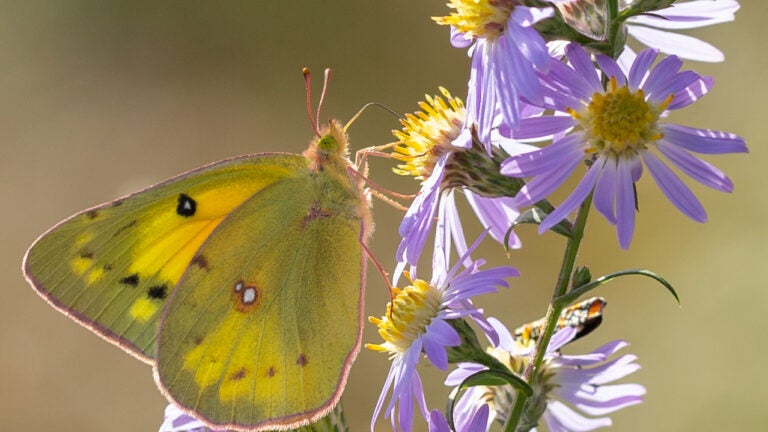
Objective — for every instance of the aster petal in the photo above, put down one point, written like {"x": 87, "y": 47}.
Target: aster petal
{"x": 640, "y": 67}
{"x": 496, "y": 215}
{"x": 577, "y": 85}
{"x": 612, "y": 69}
{"x": 580, "y": 360}
{"x": 482, "y": 282}
{"x": 480, "y": 419}
{"x": 418, "y": 219}
{"x": 692, "y": 93}
{"x": 680, "y": 83}
{"x": 703, "y": 141}
{"x": 625, "y": 203}
{"x": 674, "y": 189}
{"x": 691, "y": 14}
{"x": 612, "y": 347}
{"x": 526, "y": 38}
{"x": 466, "y": 409}
{"x": 177, "y": 420}
{"x": 607, "y": 399}
{"x": 664, "y": 71}
{"x": 570, "y": 420}
{"x": 439, "y": 334}
{"x": 582, "y": 64}
{"x": 476, "y": 315}
{"x": 459, "y": 39}
{"x": 388, "y": 382}
{"x": 515, "y": 77}
{"x": 548, "y": 159}
{"x": 506, "y": 341}
{"x": 696, "y": 168}
{"x": 627, "y": 59}
{"x": 605, "y": 189}
{"x": 680, "y": 45}
{"x": 449, "y": 229}
{"x": 462, "y": 372}
{"x": 541, "y": 186}
{"x": 451, "y": 274}
{"x": 560, "y": 338}
{"x": 579, "y": 194}
{"x": 615, "y": 369}
{"x": 437, "y": 422}
{"x": 538, "y": 127}
{"x": 481, "y": 95}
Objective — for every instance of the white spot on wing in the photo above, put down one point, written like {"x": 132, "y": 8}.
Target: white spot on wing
{"x": 249, "y": 295}
{"x": 239, "y": 286}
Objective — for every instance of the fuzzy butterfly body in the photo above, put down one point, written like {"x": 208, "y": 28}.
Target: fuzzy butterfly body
{"x": 240, "y": 282}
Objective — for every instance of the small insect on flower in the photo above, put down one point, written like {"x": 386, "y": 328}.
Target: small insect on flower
{"x": 416, "y": 321}
{"x": 584, "y": 316}
{"x": 565, "y": 382}
{"x": 616, "y": 129}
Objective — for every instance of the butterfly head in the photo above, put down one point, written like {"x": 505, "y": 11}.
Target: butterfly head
{"x": 329, "y": 147}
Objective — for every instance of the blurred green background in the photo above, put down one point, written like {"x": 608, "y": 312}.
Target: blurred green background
{"x": 98, "y": 99}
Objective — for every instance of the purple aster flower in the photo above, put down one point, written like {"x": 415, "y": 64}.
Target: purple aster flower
{"x": 430, "y": 146}
{"x": 574, "y": 389}
{"x": 656, "y": 29}
{"x": 617, "y": 130}
{"x": 416, "y": 321}
{"x": 506, "y": 51}
{"x": 177, "y": 420}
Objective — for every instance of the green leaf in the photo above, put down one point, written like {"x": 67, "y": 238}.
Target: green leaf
{"x": 577, "y": 292}
{"x": 534, "y": 216}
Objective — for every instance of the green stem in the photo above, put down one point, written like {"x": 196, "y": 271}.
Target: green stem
{"x": 553, "y": 311}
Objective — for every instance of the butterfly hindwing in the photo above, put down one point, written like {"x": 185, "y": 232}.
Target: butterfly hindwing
{"x": 113, "y": 267}
{"x": 263, "y": 335}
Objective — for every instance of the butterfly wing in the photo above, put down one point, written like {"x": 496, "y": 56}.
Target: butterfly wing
{"x": 112, "y": 268}
{"x": 264, "y": 335}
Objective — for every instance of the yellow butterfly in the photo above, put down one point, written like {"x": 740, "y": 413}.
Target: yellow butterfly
{"x": 240, "y": 282}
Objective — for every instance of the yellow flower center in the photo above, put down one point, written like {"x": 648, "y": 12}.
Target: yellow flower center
{"x": 427, "y": 134}
{"x": 407, "y": 317}
{"x": 620, "y": 121}
{"x": 478, "y": 18}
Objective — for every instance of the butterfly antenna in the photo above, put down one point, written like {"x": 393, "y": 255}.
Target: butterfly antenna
{"x": 326, "y": 81}
{"x": 366, "y": 106}
{"x": 307, "y": 88}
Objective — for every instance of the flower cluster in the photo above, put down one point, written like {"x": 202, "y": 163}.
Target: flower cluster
{"x": 554, "y": 92}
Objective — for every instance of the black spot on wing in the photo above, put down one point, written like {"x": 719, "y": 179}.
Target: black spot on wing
{"x": 186, "y": 206}
{"x": 158, "y": 292}
{"x": 132, "y": 280}
{"x": 92, "y": 214}
{"x": 239, "y": 374}
{"x": 200, "y": 261}
{"x": 125, "y": 227}
{"x": 85, "y": 254}
{"x": 302, "y": 360}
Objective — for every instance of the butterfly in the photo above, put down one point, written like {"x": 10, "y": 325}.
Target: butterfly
{"x": 584, "y": 316}
{"x": 240, "y": 282}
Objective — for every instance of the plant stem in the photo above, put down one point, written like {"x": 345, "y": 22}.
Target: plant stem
{"x": 553, "y": 311}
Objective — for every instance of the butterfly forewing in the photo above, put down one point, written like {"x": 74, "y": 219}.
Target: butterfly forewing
{"x": 113, "y": 267}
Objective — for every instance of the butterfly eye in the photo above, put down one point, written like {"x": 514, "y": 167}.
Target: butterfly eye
{"x": 328, "y": 144}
